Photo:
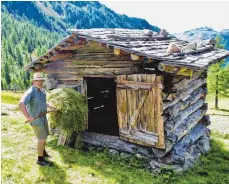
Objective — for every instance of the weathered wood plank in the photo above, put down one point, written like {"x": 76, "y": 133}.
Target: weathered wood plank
{"x": 94, "y": 62}
{"x": 134, "y": 103}
{"x": 121, "y": 105}
{"x": 93, "y": 71}
{"x": 143, "y": 120}
{"x": 149, "y": 104}
{"x": 158, "y": 115}
{"x": 114, "y": 142}
{"x": 139, "y": 96}
{"x": 66, "y": 76}
{"x": 150, "y": 84}
{"x": 102, "y": 57}
{"x": 141, "y": 138}
{"x": 139, "y": 85}
{"x": 130, "y": 105}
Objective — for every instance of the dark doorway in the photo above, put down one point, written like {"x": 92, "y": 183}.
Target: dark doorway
{"x": 102, "y": 114}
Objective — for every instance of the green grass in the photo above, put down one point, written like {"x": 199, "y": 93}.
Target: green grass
{"x": 77, "y": 166}
{"x": 10, "y": 97}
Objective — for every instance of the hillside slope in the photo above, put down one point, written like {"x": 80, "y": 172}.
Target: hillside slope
{"x": 59, "y": 16}
{"x": 205, "y": 33}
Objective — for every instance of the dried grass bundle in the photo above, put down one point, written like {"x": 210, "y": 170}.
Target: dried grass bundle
{"x": 72, "y": 110}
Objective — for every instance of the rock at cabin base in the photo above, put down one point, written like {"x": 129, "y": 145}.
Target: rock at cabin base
{"x": 139, "y": 156}
{"x": 99, "y": 149}
{"x": 125, "y": 155}
{"x": 113, "y": 151}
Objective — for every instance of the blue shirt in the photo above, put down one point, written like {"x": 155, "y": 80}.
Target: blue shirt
{"x": 35, "y": 101}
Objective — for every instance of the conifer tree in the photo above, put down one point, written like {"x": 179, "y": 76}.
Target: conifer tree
{"x": 218, "y": 78}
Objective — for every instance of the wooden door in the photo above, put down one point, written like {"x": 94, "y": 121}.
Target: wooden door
{"x": 139, "y": 108}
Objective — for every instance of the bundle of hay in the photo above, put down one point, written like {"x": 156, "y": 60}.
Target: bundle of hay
{"x": 72, "y": 110}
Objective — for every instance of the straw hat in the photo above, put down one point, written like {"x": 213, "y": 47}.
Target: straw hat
{"x": 38, "y": 76}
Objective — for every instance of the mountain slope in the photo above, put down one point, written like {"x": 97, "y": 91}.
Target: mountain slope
{"x": 59, "y": 16}
{"x": 205, "y": 33}
{"x": 21, "y": 41}
{"x": 30, "y": 28}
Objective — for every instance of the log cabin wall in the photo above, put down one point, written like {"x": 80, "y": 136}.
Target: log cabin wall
{"x": 92, "y": 60}
{"x": 185, "y": 120}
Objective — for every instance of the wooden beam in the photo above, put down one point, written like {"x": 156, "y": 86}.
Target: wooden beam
{"x": 137, "y": 85}
{"x": 134, "y": 57}
{"x": 117, "y": 51}
{"x": 158, "y": 115}
{"x": 93, "y": 71}
{"x": 147, "y": 139}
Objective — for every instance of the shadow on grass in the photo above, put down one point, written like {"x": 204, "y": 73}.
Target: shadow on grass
{"x": 215, "y": 114}
{"x": 212, "y": 168}
{"x": 225, "y": 110}
{"x": 99, "y": 163}
{"x": 54, "y": 174}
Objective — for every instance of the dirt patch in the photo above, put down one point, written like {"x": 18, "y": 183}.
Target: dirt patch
{"x": 220, "y": 123}
{"x": 10, "y": 110}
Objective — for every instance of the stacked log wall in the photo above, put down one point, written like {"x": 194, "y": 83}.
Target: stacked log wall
{"x": 88, "y": 61}
{"x": 184, "y": 113}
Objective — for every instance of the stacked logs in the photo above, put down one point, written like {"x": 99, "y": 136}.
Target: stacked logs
{"x": 184, "y": 109}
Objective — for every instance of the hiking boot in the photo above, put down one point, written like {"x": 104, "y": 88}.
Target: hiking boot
{"x": 44, "y": 163}
{"x": 50, "y": 162}
{"x": 47, "y": 155}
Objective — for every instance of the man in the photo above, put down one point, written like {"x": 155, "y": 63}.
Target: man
{"x": 32, "y": 104}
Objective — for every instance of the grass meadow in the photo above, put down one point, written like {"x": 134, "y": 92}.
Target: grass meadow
{"x": 18, "y": 159}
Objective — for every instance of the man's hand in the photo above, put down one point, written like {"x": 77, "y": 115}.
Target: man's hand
{"x": 51, "y": 106}
{"x": 23, "y": 109}
{"x": 30, "y": 119}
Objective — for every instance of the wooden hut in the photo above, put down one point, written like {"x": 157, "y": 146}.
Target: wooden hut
{"x": 145, "y": 91}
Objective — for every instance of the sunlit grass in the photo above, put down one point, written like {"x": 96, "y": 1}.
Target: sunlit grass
{"x": 10, "y": 97}
{"x": 223, "y": 105}
{"x": 71, "y": 166}
{"x": 77, "y": 166}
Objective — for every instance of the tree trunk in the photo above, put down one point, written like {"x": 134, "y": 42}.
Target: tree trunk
{"x": 217, "y": 92}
